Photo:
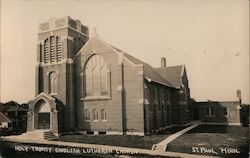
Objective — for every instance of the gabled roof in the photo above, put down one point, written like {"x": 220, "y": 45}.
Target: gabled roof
{"x": 4, "y": 118}
{"x": 172, "y": 74}
{"x": 149, "y": 72}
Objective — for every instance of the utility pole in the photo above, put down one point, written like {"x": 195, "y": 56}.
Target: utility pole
{"x": 238, "y": 92}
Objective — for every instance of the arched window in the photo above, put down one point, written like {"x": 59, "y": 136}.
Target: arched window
{"x": 156, "y": 99}
{"x": 96, "y": 78}
{"x": 95, "y": 115}
{"x": 151, "y": 98}
{"x": 87, "y": 115}
{"x": 103, "y": 115}
{"x": 52, "y": 83}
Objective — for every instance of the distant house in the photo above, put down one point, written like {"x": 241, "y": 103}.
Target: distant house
{"x": 5, "y": 122}
{"x": 19, "y": 117}
{"x": 17, "y": 114}
{"x": 221, "y": 113}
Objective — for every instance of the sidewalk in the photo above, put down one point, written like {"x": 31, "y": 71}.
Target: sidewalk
{"x": 70, "y": 145}
{"x": 163, "y": 144}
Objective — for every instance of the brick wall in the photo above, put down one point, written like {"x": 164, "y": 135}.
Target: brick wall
{"x": 232, "y": 117}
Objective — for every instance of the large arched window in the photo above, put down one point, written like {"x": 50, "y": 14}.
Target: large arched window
{"x": 96, "y": 78}
{"x": 52, "y": 83}
{"x": 103, "y": 115}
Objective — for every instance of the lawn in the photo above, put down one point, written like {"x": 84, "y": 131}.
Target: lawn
{"x": 145, "y": 142}
{"x": 224, "y": 141}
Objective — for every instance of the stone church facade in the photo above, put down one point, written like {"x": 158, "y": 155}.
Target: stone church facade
{"x": 85, "y": 84}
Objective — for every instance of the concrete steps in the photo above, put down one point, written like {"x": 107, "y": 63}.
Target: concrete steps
{"x": 159, "y": 147}
{"x": 39, "y": 134}
{"x": 48, "y": 135}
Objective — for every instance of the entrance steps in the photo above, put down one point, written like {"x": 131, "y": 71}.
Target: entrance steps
{"x": 39, "y": 134}
{"x": 48, "y": 135}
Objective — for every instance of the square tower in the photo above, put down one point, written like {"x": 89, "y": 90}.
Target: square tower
{"x": 59, "y": 40}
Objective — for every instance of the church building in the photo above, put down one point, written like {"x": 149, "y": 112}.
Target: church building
{"x": 85, "y": 84}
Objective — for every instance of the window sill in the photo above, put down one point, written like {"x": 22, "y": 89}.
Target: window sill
{"x": 95, "y": 98}
{"x": 53, "y": 94}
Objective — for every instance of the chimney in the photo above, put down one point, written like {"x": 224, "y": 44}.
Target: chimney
{"x": 163, "y": 62}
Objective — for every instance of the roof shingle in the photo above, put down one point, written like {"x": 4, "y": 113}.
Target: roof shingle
{"x": 172, "y": 74}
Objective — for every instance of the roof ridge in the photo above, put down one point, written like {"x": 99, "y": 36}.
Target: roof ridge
{"x": 6, "y": 117}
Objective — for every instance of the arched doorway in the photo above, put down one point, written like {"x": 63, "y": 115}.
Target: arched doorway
{"x": 42, "y": 115}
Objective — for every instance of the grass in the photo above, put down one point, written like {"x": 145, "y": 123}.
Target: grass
{"x": 145, "y": 142}
{"x": 213, "y": 137}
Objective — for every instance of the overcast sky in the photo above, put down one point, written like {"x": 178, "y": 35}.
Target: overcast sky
{"x": 211, "y": 37}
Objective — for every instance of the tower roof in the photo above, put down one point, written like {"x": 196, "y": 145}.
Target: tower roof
{"x": 65, "y": 22}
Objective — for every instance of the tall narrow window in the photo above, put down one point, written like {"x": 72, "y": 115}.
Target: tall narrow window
{"x": 52, "y": 83}
{"x": 103, "y": 115}
{"x": 95, "y": 115}
{"x": 88, "y": 81}
{"x": 225, "y": 111}
{"x": 151, "y": 98}
{"x": 104, "y": 82}
{"x": 87, "y": 115}
{"x": 156, "y": 99}
{"x": 96, "y": 78}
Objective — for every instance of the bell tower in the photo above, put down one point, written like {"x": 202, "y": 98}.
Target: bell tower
{"x": 59, "y": 40}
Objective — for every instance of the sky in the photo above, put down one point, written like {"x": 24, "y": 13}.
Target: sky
{"x": 211, "y": 37}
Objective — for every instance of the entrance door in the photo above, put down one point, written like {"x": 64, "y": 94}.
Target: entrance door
{"x": 44, "y": 120}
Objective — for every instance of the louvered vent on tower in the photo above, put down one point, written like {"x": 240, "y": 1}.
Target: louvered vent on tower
{"x": 58, "y": 49}
{"x": 46, "y": 51}
{"x": 77, "y": 45}
{"x": 52, "y": 50}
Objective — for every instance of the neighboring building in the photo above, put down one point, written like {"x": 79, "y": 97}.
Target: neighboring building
{"x": 89, "y": 85}
{"x": 5, "y": 122}
{"x": 18, "y": 115}
{"x": 221, "y": 113}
